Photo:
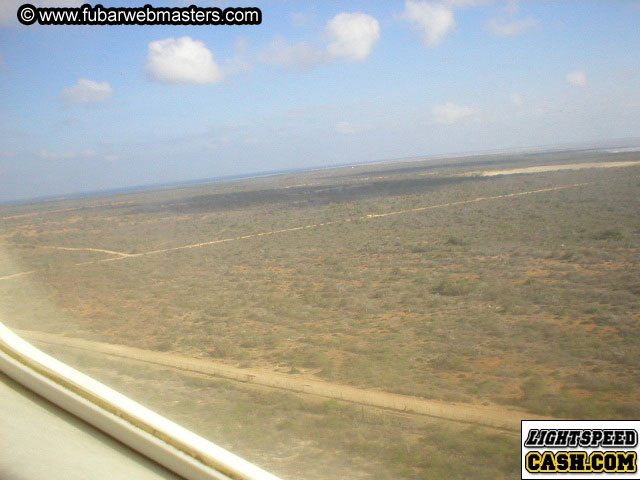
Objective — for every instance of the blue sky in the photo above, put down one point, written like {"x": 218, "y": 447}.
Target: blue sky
{"x": 318, "y": 83}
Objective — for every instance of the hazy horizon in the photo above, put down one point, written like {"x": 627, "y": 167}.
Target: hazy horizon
{"x": 90, "y": 108}
{"x": 603, "y": 144}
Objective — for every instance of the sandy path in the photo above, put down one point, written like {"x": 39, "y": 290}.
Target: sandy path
{"x": 86, "y": 249}
{"x": 336, "y": 222}
{"x": 553, "y": 168}
{"x": 122, "y": 256}
{"x": 491, "y": 416}
{"x": 7, "y": 277}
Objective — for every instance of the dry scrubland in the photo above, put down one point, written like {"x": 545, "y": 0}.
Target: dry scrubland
{"x": 527, "y": 301}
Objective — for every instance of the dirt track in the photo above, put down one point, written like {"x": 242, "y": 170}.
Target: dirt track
{"x": 124, "y": 256}
{"x": 491, "y": 416}
{"x": 7, "y": 277}
{"x": 369, "y": 216}
{"x": 85, "y": 249}
{"x": 553, "y": 168}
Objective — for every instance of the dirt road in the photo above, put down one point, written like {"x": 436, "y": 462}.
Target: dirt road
{"x": 552, "y": 168}
{"x": 334, "y": 222}
{"x": 7, "y": 277}
{"x": 85, "y": 249}
{"x": 124, "y": 256}
{"x": 491, "y": 416}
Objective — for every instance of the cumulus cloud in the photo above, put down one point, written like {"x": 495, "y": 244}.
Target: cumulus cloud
{"x": 182, "y": 60}
{"x": 511, "y": 28}
{"x": 352, "y": 35}
{"x": 450, "y": 113}
{"x": 302, "y": 55}
{"x": 348, "y": 128}
{"x": 433, "y": 20}
{"x": 577, "y": 78}
{"x": 515, "y": 98}
{"x": 87, "y": 92}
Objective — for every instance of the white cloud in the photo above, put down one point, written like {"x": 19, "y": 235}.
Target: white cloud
{"x": 515, "y": 98}
{"x": 433, "y": 20}
{"x": 182, "y": 60}
{"x": 577, "y": 78}
{"x": 87, "y": 92}
{"x": 450, "y": 113}
{"x": 348, "y": 128}
{"x": 511, "y": 28}
{"x": 302, "y": 55}
{"x": 352, "y": 35}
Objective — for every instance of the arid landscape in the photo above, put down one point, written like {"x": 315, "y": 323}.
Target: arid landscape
{"x": 388, "y": 320}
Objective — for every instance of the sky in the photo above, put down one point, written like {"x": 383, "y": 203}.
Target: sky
{"x": 318, "y": 83}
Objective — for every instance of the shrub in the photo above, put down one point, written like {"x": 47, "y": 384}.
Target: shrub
{"x": 609, "y": 234}
{"x": 222, "y": 349}
{"x": 452, "y": 288}
{"x": 455, "y": 241}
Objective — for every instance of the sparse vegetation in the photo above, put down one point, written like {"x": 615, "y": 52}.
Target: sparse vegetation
{"x": 528, "y": 300}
